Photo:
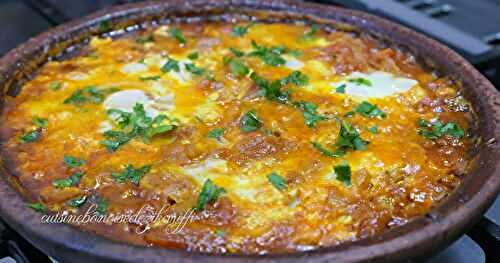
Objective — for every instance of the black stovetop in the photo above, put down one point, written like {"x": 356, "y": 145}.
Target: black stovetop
{"x": 476, "y": 35}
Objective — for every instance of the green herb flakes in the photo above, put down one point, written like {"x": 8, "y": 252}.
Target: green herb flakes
{"x": 369, "y": 110}
{"x": 240, "y": 31}
{"x": 73, "y": 162}
{"x": 77, "y": 202}
{"x": 277, "y": 181}
{"x": 216, "y": 133}
{"x": 56, "y": 85}
{"x": 73, "y": 180}
{"x": 311, "y": 115}
{"x": 250, "y": 122}
{"x": 177, "y": 35}
{"x": 209, "y": 193}
{"x": 170, "y": 65}
{"x": 343, "y": 172}
{"x": 39, "y": 207}
{"x": 361, "y": 82}
{"x": 132, "y": 174}
{"x": 437, "y": 129}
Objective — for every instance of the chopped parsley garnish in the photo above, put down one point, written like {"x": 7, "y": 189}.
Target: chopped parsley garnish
{"x": 177, "y": 34}
{"x": 77, "y": 202}
{"x": 238, "y": 68}
{"x": 269, "y": 55}
{"x": 369, "y": 110}
{"x": 148, "y": 78}
{"x": 236, "y": 52}
{"x": 101, "y": 206}
{"x": 115, "y": 139}
{"x": 435, "y": 130}
{"x": 145, "y": 39}
{"x": 131, "y": 174}
{"x": 343, "y": 172}
{"x": 73, "y": 180}
{"x": 56, "y": 85}
{"x": 297, "y": 78}
{"x": 105, "y": 25}
{"x": 310, "y": 34}
{"x": 271, "y": 90}
{"x": 361, "y": 81}
{"x": 250, "y": 122}
{"x": 34, "y": 135}
{"x": 73, "y": 162}
{"x": 373, "y": 129}
{"x": 340, "y": 89}
{"x": 277, "y": 181}
{"x": 209, "y": 193}
{"x": 349, "y": 138}
{"x": 311, "y": 115}
{"x": 193, "y": 56}
{"x": 216, "y": 133}
{"x": 31, "y": 136}
{"x": 240, "y": 31}
{"x": 170, "y": 65}
{"x": 194, "y": 69}
{"x": 326, "y": 151}
{"x": 89, "y": 94}
{"x": 295, "y": 53}
{"x": 40, "y": 122}
{"x": 220, "y": 233}
{"x": 135, "y": 124}
{"x": 39, "y": 207}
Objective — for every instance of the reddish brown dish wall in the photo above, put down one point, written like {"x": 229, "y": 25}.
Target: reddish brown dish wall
{"x": 414, "y": 240}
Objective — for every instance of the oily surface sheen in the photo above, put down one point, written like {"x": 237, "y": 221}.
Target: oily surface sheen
{"x": 302, "y": 164}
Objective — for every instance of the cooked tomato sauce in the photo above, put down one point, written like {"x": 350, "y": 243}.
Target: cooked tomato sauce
{"x": 275, "y": 137}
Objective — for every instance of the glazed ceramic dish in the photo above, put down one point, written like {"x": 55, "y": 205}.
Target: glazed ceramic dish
{"x": 284, "y": 131}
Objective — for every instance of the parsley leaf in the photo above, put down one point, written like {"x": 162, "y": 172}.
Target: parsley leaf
{"x": 145, "y": 39}
{"x": 238, "y": 68}
{"x": 39, "y": 207}
{"x": 209, "y": 193}
{"x": 115, "y": 139}
{"x": 271, "y": 90}
{"x": 236, "y": 52}
{"x": 170, "y": 65}
{"x": 437, "y": 129}
{"x": 361, "y": 81}
{"x": 153, "y": 78}
{"x": 35, "y": 134}
{"x": 349, "y": 138}
{"x": 40, "y": 122}
{"x": 240, "y": 31}
{"x": 297, "y": 78}
{"x": 340, "y": 89}
{"x": 277, "y": 181}
{"x": 194, "y": 69}
{"x": 216, "y": 133}
{"x": 135, "y": 124}
{"x": 327, "y": 152}
{"x": 250, "y": 122}
{"x": 73, "y": 180}
{"x": 104, "y": 25}
{"x": 31, "y": 136}
{"x": 369, "y": 110}
{"x": 89, "y": 94}
{"x": 310, "y": 34}
{"x": 311, "y": 116}
{"x": 102, "y": 206}
{"x": 77, "y": 202}
{"x": 177, "y": 34}
{"x": 56, "y": 85}
{"x": 73, "y": 162}
{"x": 343, "y": 172}
{"x": 131, "y": 174}
{"x": 193, "y": 56}
{"x": 270, "y": 56}
{"x": 373, "y": 129}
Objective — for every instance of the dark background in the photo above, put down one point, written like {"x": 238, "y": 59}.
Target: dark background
{"x": 471, "y": 27}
